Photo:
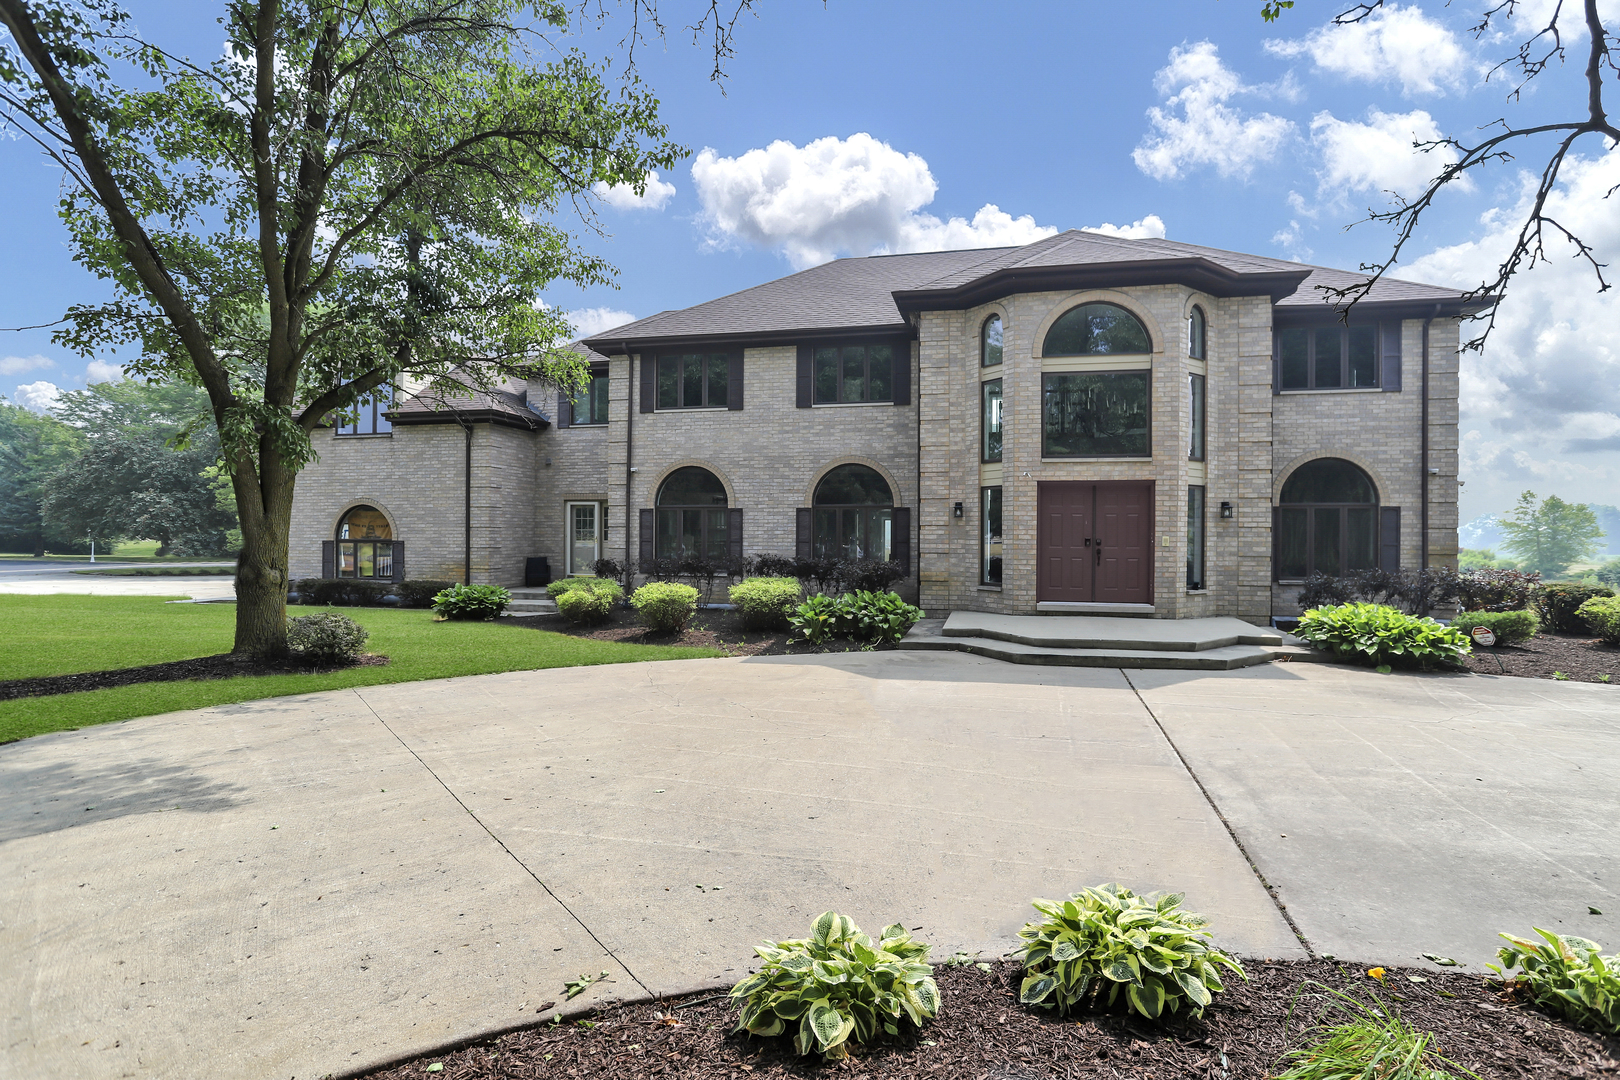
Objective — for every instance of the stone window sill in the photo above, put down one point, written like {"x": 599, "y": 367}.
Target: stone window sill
{"x": 989, "y": 588}
{"x": 1335, "y": 390}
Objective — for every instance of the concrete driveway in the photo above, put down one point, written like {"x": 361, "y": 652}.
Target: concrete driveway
{"x": 316, "y": 885}
{"x": 44, "y": 576}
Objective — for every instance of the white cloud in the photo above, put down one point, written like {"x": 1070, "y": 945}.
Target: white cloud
{"x": 97, "y": 372}
{"x": 588, "y": 322}
{"x": 1292, "y": 240}
{"x": 655, "y": 196}
{"x": 1197, "y": 127}
{"x": 1379, "y": 155}
{"x": 1147, "y": 228}
{"x": 1541, "y": 407}
{"x": 18, "y": 365}
{"x": 39, "y": 396}
{"x": 839, "y": 196}
{"x": 1393, "y": 44}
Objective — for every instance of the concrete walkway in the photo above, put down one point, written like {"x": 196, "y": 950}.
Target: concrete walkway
{"x": 314, "y": 885}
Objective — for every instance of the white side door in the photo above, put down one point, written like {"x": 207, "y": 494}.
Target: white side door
{"x": 584, "y": 535}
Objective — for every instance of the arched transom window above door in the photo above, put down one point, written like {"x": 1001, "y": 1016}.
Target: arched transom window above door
{"x": 1327, "y": 521}
{"x": 691, "y": 511}
{"x": 854, "y": 515}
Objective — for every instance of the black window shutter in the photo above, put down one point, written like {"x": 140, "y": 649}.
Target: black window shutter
{"x": 565, "y": 410}
{"x": 1276, "y": 365}
{"x": 734, "y": 541}
{"x": 1389, "y": 538}
{"x": 1390, "y": 361}
{"x": 805, "y": 380}
{"x": 902, "y": 538}
{"x": 647, "y": 535}
{"x": 1276, "y": 516}
{"x": 649, "y": 382}
{"x": 399, "y": 560}
{"x": 734, "y": 381}
{"x": 328, "y": 558}
{"x": 901, "y": 374}
{"x": 801, "y": 533}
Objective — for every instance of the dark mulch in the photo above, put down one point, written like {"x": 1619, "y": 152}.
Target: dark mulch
{"x": 710, "y": 628}
{"x": 983, "y": 1034}
{"x": 223, "y": 666}
{"x": 1582, "y": 658}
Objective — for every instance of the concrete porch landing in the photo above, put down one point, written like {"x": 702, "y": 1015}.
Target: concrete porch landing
{"x": 1216, "y": 644}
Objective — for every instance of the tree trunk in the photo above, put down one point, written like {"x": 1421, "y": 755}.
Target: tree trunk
{"x": 39, "y": 544}
{"x": 261, "y": 568}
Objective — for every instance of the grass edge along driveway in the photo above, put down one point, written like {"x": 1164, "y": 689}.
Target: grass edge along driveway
{"x": 65, "y": 634}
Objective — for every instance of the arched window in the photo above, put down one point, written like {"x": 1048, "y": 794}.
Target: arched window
{"x": 364, "y": 544}
{"x": 1327, "y": 520}
{"x": 854, "y": 516}
{"x": 1197, "y": 335}
{"x": 990, "y": 342}
{"x": 1097, "y": 329}
{"x": 692, "y": 515}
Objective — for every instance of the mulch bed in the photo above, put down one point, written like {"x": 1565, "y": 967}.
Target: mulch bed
{"x": 710, "y": 628}
{"x": 982, "y": 1033}
{"x": 223, "y": 666}
{"x": 1582, "y": 658}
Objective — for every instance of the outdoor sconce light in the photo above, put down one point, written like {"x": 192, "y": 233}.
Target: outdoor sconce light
{"x": 1226, "y": 509}
{"x": 956, "y": 510}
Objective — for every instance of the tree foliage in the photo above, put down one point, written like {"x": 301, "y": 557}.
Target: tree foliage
{"x": 32, "y": 449}
{"x": 1552, "y": 535}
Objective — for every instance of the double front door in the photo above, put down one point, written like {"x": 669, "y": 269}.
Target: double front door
{"x": 1094, "y": 543}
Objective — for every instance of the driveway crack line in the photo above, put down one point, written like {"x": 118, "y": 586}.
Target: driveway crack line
{"x": 1271, "y": 890}
{"x": 510, "y": 853}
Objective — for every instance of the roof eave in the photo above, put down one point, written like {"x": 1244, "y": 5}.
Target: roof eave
{"x": 1445, "y": 307}
{"x": 1202, "y": 274}
{"x": 453, "y": 415}
{"x": 614, "y": 345}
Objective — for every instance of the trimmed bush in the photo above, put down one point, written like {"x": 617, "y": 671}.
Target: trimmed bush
{"x": 869, "y": 575}
{"x": 1558, "y": 603}
{"x": 766, "y": 603}
{"x": 1509, "y": 627}
{"x": 341, "y": 592}
{"x": 1378, "y": 635}
{"x": 1323, "y": 590}
{"x": 1105, "y": 941}
{"x": 471, "y": 602}
{"x": 420, "y": 592}
{"x": 326, "y": 637}
{"x": 1497, "y": 590}
{"x": 838, "y": 987}
{"x": 1602, "y": 614}
{"x": 664, "y": 607}
{"x": 586, "y": 607}
{"x": 769, "y": 566}
{"x": 596, "y": 584}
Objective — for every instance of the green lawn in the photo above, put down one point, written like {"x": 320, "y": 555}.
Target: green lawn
{"x": 61, "y": 635}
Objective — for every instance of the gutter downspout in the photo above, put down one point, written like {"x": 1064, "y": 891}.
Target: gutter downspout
{"x": 1423, "y": 443}
{"x": 466, "y": 573}
{"x": 629, "y": 422}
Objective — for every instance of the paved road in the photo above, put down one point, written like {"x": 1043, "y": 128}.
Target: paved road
{"x": 313, "y": 885}
{"x": 41, "y": 576}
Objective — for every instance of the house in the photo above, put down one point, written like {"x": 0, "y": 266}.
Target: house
{"x": 1083, "y": 424}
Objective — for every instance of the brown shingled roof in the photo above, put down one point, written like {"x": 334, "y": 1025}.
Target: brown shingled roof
{"x": 507, "y": 403}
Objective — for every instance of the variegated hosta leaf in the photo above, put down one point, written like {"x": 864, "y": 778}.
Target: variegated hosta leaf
{"x": 1035, "y": 989}
{"x": 893, "y": 931}
{"x": 1146, "y": 997}
{"x": 1065, "y": 950}
{"x": 1119, "y": 971}
{"x": 927, "y": 995}
{"x": 826, "y": 1022}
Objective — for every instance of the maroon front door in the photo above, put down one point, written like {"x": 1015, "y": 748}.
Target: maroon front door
{"x": 1095, "y": 542}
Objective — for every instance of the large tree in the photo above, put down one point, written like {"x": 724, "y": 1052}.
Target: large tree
{"x": 32, "y": 449}
{"x": 361, "y": 192}
{"x": 1552, "y": 535}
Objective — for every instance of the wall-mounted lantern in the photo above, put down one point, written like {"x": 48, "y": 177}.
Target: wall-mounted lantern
{"x": 956, "y": 510}
{"x": 1226, "y": 509}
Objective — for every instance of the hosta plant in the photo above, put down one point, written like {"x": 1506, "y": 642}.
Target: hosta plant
{"x": 880, "y": 617}
{"x": 1566, "y": 975}
{"x": 817, "y": 619}
{"x": 1378, "y": 635}
{"x": 838, "y": 986}
{"x": 471, "y": 602}
{"x": 1105, "y": 943}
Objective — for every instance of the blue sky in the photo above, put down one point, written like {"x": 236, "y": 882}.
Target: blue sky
{"x": 852, "y": 128}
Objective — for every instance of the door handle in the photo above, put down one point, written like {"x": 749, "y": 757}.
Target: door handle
{"x": 1099, "y": 551}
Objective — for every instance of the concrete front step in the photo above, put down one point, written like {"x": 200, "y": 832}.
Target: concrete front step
{"x": 1224, "y": 658}
{"x": 1102, "y": 632}
{"x": 531, "y": 602}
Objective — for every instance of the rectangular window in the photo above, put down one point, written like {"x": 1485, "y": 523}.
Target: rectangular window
{"x": 990, "y": 421}
{"x": 365, "y": 559}
{"x": 853, "y": 373}
{"x": 591, "y": 406}
{"x": 1095, "y": 414}
{"x": 853, "y": 532}
{"x": 1327, "y": 358}
{"x": 1195, "y": 395}
{"x": 691, "y": 530}
{"x": 368, "y": 417}
{"x": 990, "y": 546}
{"x": 1195, "y": 537}
{"x": 692, "y": 381}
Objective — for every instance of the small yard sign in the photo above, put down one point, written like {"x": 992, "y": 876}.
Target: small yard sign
{"x": 1483, "y": 635}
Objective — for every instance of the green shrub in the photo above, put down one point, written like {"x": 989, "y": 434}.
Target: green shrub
{"x": 1378, "y": 635}
{"x": 1372, "y": 1041}
{"x": 664, "y": 606}
{"x": 569, "y": 584}
{"x": 880, "y": 617}
{"x": 1497, "y": 589}
{"x": 341, "y": 592}
{"x": 766, "y": 603}
{"x": 471, "y": 602}
{"x": 839, "y": 986}
{"x": 1566, "y": 975}
{"x": 817, "y": 619}
{"x": 419, "y": 593}
{"x": 1558, "y": 603}
{"x": 326, "y": 637}
{"x": 1602, "y": 614}
{"x": 586, "y": 607}
{"x": 1508, "y": 626}
{"x": 1110, "y": 939}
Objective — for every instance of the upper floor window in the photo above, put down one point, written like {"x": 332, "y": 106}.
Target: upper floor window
{"x": 1327, "y": 357}
{"x": 990, "y": 342}
{"x": 1095, "y": 414}
{"x": 1097, "y": 329}
{"x": 1195, "y": 400}
{"x": 691, "y": 508}
{"x": 990, "y": 421}
{"x": 591, "y": 405}
{"x": 851, "y": 373}
{"x": 692, "y": 381}
{"x": 368, "y": 417}
{"x": 1197, "y": 334}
